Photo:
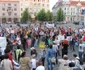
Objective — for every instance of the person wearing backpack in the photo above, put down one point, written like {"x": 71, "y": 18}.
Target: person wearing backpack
{"x": 81, "y": 50}
{"x": 51, "y": 58}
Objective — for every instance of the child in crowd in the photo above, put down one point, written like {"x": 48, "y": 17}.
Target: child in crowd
{"x": 33, "y": 61}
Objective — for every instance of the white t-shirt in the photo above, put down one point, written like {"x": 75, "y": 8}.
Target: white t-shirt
{"x": 57, "y": 42}
{"x": 40, "y": 68}
{"x": 55, "y": 48}
{"x": 33, "y": 63}
{"x": 81, "y": 47}
{"x": 60, "y": 37}
{"x": 19, "y": 40}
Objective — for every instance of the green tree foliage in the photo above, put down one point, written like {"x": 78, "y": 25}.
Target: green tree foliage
{"x": 25, "y": 16}
{"x": 41, "y": 16}
{"x": 60, "y": 15}
{"x": 49, "y": 16}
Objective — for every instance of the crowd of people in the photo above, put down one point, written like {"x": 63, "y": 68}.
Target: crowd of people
{"x": 52, "y": 43}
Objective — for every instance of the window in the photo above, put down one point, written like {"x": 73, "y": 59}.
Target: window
{"x": 34, "y": 4}
{"x": 9, "y": 13}
{"x": 3, "y": 4}
{"x": 42, "y": 4}
{"x": 15, "y": 9}
{"x": 15, "y": 14}
{"x": 15, "y": 20}
{"x": 21, "y": 14}
{"x": 21, "y": 9}
{"x": 3, "y": 20}
{"x": 9, "y": 8}
{"x": 3, "y": 9}
{"x": 65, "y": 8}
{"x": 47, "y": 5}
{"x": 9, "y": 19}
{"x": 9, "y": 4}
{"x": 15, "y": 4}
{"x": 3, "y": 14}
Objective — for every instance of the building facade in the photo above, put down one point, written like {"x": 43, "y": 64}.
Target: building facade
{"x": 23, "y": 5}
{"x": 72, "y": 10}
{"x": 36, "y": 5}
{"x": 9, "y": 11}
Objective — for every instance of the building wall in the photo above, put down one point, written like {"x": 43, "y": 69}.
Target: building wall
{"x": 9, "y": 11}
{"x": 36, "y": 5}
{"x": 23, "y": 5}
{"x": 72, "y": 13}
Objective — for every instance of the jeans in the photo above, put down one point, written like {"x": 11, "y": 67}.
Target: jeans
{"x": 43, "y": 61}
{"x": 81, "y": 56}
{"x": 50, "y": 65}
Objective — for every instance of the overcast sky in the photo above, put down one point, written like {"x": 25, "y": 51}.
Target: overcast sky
{"x": 52, "y": 2}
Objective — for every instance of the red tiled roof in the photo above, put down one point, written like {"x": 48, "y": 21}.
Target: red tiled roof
{"x": 74, "y": 3}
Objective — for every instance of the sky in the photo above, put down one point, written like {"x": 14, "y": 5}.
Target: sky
{"x": 52, "y": 3}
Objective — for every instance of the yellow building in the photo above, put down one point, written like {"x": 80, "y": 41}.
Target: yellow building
{"x": 36, "y": 5}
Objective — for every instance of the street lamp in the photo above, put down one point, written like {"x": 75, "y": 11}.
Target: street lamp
{"x": 78, "y": 11}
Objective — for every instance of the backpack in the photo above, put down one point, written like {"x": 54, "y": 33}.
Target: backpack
{"x": 65, "y": 41}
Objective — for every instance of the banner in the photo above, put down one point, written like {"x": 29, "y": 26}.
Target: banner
{"x": 50, "y": 25}
{"x": 3, "y": 44}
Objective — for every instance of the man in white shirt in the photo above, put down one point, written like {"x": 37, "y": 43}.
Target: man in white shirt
{"x": 33, "y": 61}
{"x": 40, "y": 67}
{"x": 81, "y": 50}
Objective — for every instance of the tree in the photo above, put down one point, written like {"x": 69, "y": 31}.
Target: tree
{"x": 49, "y": 16}
{"x": 25, "y": 16}
{"x": 60, "y": 15}
{"x": 41, "y": 16}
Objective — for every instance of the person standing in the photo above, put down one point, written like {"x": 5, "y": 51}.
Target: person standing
{"x": 81, "y": 50}
{"x": 6, "y": 63}
{"x": 43, "y": 56}
{"x": 51, "y": 58}
{"x": 64, "y": 47}
{"x": 55, "y": 48}
{"x": 40, "y": 66}
{"x": 18, "y": 53}
{"x": 34, "y": 62}
{"x": 24, "y": 62}
{"x": 63, "y": 63}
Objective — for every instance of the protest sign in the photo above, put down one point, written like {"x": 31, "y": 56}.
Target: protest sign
{"x": 50, "y": 25}
{"x": 3, "y": 44}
